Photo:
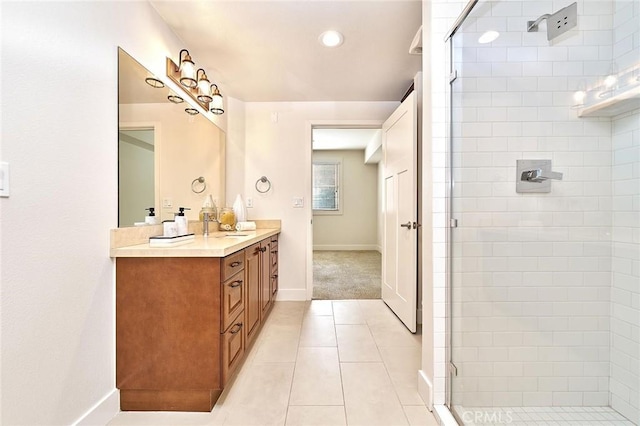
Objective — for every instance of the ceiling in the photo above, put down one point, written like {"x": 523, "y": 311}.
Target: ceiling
{"x": 268, "y": 50}
{"x": 353, "y": 139}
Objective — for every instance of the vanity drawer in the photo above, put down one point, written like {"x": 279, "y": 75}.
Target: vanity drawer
{"x": 232, "y": 348}
{"x": 232, "y": 264}
{"x": 232, "y": 299}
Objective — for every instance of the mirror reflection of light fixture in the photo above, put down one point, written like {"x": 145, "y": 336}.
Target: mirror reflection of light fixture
{"x": 154, "y": 82}
{"x": 217, "y": 105}
{"x": 204, "y": 87}
{"x": 579, "y": 95}
{"x": 175, "y": 99}
{"x": 191, "y": 111}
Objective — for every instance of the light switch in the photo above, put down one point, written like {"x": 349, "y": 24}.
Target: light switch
{"x": 167, "y": 203}
{"x": 298, "y": 202}
{"x": 4, "y": 179}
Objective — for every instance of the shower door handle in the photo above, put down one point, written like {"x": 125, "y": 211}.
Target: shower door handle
{"x": 406, "y": 225}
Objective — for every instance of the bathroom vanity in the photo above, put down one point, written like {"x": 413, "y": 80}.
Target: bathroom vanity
{"x": 185, "y": 316}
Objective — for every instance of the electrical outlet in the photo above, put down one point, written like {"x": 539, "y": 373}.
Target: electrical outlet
{"x": 167, "y": 203}
{"x": 298, "y": 202}
{"x": 4, "y": 179}
{"x": 249, "y": 202}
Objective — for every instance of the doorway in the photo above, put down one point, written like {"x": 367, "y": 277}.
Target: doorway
{"x": 346, "y": 208}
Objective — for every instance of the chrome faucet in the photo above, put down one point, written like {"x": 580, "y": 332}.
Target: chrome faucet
{"x": 536, "y": 175}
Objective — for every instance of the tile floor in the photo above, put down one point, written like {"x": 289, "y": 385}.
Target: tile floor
{"x": 347, "y": 362}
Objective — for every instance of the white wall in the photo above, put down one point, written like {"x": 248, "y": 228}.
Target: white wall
{"x": 280, "y": 148}
{"x": 356, "y": 227}
{"x": 59, "y": 134}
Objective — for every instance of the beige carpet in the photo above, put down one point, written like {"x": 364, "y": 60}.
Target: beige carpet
{"x": 346, "y": 274}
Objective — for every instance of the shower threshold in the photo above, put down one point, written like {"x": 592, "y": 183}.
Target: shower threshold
{"x": 583, "y": 416}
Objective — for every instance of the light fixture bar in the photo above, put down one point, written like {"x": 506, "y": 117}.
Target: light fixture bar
{"x": 173, "y": 72}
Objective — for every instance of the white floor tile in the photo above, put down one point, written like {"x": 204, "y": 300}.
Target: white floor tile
{"x": 316, "y": 379}
{"x": 316, "y": 416}
{"x": 356, "y": 344}
{"x": 419, "y": 415}
{"x": 402, "y": 364}
{"x": 318, "y": 331}
{"x": 348, "y": 312}
{"x": 369, "y": 396}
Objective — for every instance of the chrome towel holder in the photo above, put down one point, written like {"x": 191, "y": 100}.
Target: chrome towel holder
{"x": 194, "y": 184}
{"x": 263, "y": 180}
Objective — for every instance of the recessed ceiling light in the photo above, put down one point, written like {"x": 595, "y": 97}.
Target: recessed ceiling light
{"x": 488, "y": 37}
{"x": 331, "y": 38}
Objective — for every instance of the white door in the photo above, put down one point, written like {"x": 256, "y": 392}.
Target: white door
{"x": 399, "y": 245}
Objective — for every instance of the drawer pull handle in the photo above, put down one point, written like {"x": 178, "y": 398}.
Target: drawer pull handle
{"x": 263, "y": 249}
{"x": 274, "y": 276}
{"x": 274, "y": 251}
{"x": 235, "y": 284}
{"x": 234, "y": 264}
{"x": 238, "y": 327}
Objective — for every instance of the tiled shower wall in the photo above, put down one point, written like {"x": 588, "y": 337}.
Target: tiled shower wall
{"x": 625, "y": 291}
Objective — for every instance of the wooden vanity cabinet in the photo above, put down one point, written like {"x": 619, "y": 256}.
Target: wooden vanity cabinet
{"x": 183, "y": 325}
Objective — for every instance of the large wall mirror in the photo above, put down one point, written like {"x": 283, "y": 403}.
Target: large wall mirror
{"x": 163, "y": 151}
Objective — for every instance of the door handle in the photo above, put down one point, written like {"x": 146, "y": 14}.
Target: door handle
{"x": 406, "y": 225}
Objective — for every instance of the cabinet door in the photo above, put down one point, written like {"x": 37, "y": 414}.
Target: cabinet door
{"x": 232, "y": 299}
{"x": 265, "y": 278}
{"x": 232, "y": 348}
{"x": 274, "y": 267}
{"x": 252, "y": 291}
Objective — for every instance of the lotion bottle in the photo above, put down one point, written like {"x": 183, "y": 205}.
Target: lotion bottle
{"x": 181, "y": 221}
{"x": 151, "y": 218}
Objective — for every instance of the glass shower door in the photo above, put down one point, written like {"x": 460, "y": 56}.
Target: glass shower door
{"x": 531, "y": 272}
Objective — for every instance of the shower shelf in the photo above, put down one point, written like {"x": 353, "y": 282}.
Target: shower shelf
{"x": 622, "y": 102}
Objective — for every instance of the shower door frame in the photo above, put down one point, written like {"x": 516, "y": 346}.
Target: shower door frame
{"x": 451, "y": 221}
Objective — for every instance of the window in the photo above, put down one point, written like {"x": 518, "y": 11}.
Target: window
{"x": 326, "y": 187}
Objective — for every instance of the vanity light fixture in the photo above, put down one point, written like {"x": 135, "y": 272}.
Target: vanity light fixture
{"x": 217, "y": 105}
{"x": 154, "y": 82}
{"x": 187, "y": 70}
{"x": 204, "y": 87}
{"x": 194, "y": 83}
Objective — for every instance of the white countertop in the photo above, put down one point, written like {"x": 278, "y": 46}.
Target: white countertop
{"x": 217, "y": 244}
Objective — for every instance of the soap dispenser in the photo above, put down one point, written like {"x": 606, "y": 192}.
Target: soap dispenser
{"x": 151, "y": 218}
{"x": 181, "y": 221}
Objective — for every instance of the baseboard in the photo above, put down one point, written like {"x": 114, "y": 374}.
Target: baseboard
{"x": 347, "y": 247}
{"x": 425, "y": 389}
{"x": 285, "y": 294}
{"x": 102, "y": 412}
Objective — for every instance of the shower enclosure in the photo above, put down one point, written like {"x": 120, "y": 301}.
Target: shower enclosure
{"x": 544, "y": 283}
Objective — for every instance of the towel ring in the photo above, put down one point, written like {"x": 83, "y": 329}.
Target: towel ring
{"x": 196, "y": 181}
{"x": 263, "y": 179}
